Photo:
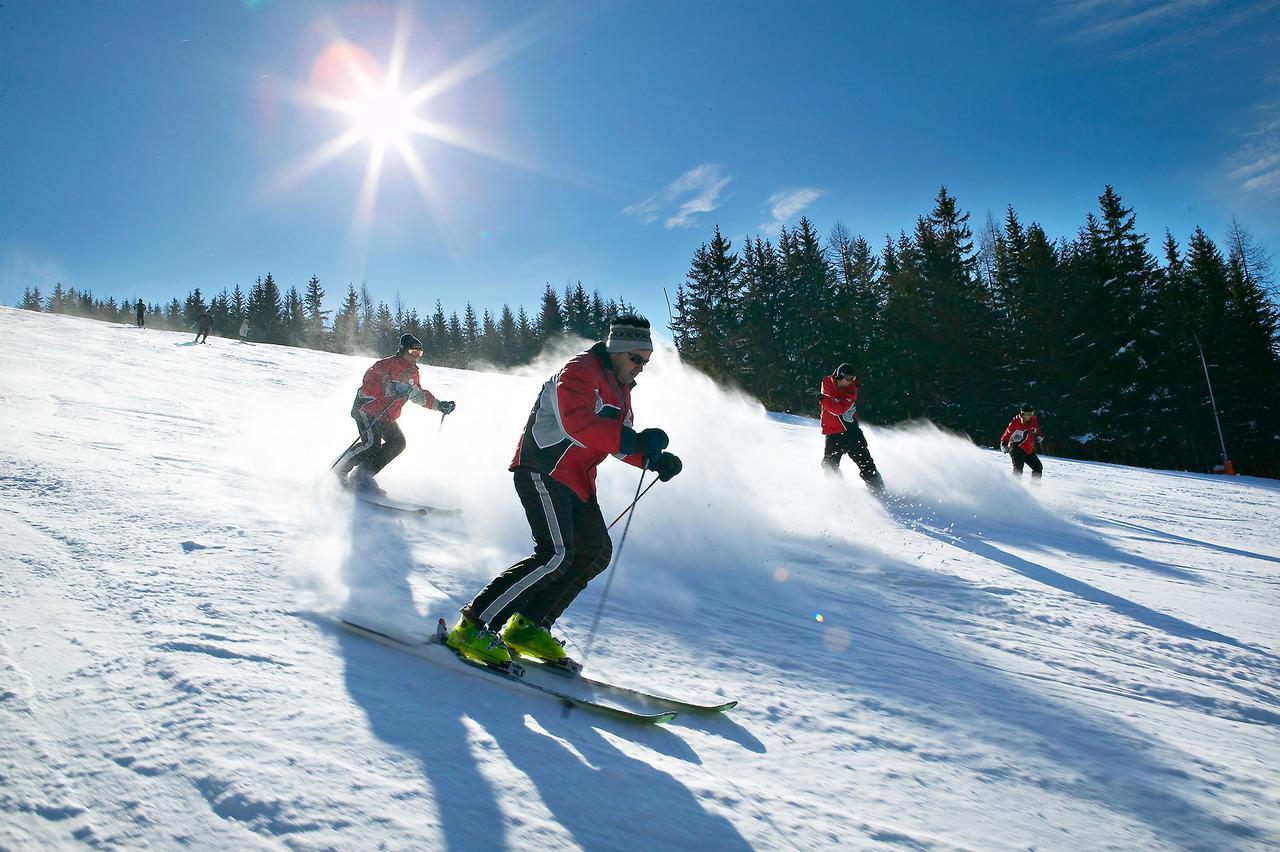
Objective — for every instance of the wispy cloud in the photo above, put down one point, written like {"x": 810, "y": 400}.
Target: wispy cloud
{"x": 1256, "y": 165}
{"x": 694, "y": 192}
{"x": 786, "y": 203}
{"x": 1140, "y": 27}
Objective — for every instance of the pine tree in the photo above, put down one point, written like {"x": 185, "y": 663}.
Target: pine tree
{"x": 708, "y": 306}
{"x": 1112, "y": 276}
{"x": 550, "y": 324}
{"x": 443, "y": 352}
{"x": 384, "y": 335}
{"x": 313, "y": 301}
{"x": 1250, "y": 396}
{"x": 527, "y": 341}
{"x": 346, "y": 324}
{"x": 32, "y": 300}
{"x": 265, "y": 310}
{"x": 294, "y": 319}
{"x": 763, "y": 362}
{"x": 509, "y": 339}
{"x": 220, "y": 310}
{"x": 368, "y": 333}
{"x": 470, "y": 336}
{"x": 193, "y": 307}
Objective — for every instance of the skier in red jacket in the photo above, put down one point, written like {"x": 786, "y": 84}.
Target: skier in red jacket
{"x": 581, "y": 416}
{"x": 1021, "y": 438}
{"x": 839, "y": 402}
{"x": 387, "y": 385}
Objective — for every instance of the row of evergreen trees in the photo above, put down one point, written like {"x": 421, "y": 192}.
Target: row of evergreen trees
{"x": 1099, "y": 334}
{"x": 358, "y": 326}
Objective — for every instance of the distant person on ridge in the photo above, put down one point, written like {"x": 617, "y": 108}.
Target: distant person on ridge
{"x": 581, "y": 416}
{"x": 244, "y": 330}
{"x": 1021, "y": 438}
{"x": 141, "y": 309}
{"x": 839, "y": 402}
{"x": 387, "y": 385}
{"x": 204, "y": 324}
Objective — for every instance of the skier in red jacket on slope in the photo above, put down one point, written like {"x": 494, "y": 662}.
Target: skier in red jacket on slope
{"x": 387, "y": 385}
{"x": 581, "y": 416}
{"x": 1021, "y": 438}
{"x": 839, "y": 402}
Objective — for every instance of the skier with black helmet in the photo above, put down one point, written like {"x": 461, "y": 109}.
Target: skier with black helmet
{"x": 387, "y": 386}
{"x": 839, "y": 401}
{"x": 1021, "y": 438}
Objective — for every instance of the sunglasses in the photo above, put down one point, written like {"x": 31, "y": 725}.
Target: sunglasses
{"x": 637, "y": 360}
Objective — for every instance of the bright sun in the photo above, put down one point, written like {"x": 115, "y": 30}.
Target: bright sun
{"x": 346, "y": 81}
{"x": 385, "y": 118}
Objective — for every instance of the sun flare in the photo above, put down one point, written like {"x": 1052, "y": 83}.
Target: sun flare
{"x": 385, "y": 118}
{"x": 376, "y": 109}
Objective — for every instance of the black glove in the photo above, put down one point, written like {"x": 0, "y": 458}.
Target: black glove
{"x": 1004, "y": 448}
{"x": 444, "y": 406}
{"x": 648, "y": 442}
{"x": 667, "y": 465}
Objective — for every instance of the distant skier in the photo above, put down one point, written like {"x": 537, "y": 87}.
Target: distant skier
{"x": 1021, "y": 438}
{"x": 204, "y": 324}
{"x": 141, "y": 310}
{"x": 387, "y": 385}
{"x": 244, "y": 330}
{"x": 581, "y": 416}
{"x": 839, "y": 402}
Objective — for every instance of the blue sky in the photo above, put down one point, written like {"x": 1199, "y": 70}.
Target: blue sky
{"x": 147, "y": 148}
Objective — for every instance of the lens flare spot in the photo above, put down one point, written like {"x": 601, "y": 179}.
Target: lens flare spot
{"x": 818, "y": 617}
{"x": 781, "y": 574}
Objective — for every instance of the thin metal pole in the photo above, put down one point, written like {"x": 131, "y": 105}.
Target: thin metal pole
{"x": 617, "y": 557}
{"x": 1213, "y": 403}
{"x": 366, "y": 431}
{"x": 633, "y": 502}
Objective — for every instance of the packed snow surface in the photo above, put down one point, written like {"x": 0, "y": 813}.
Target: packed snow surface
{"x": 973, "y": 663}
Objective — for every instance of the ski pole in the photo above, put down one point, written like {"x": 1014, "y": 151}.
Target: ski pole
{"x": 617, "y": 557}
{"x": 633, "y": 502}
{"x": 368, "y": 430}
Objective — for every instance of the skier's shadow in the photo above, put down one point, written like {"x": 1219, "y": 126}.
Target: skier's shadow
{"x": 597, "y": 793}
{"x": 973, "y": 541}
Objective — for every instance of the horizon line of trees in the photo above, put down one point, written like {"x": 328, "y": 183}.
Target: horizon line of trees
{"x": 358, "y": 326}
{"x": 1095, "y": 331}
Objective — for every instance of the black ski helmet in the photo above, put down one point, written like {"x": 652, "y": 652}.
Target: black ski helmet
{"x": 1027, "y": 408}
{"x": 844, "y": 371}
{"x": 408, "y": 341}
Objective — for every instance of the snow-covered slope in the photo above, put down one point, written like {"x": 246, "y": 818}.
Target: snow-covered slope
{"x": 977, "y": 663}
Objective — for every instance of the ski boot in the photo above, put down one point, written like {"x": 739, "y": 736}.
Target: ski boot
{"x": 478, "y": 643}
{"x": 531, "y": 640}
{"x": 363, "y": 481}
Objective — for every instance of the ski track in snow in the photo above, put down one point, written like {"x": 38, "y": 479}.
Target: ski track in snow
{"x": 1088, "y": 663}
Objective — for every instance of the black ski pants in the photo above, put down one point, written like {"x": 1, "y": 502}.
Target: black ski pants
{"x": 382, "y": 443}
{"x": 853, "y": 443}
{"x": 571, "y": 546}
{"x": 1031, "y": 460}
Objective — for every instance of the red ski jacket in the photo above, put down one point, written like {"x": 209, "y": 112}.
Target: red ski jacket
{"x": 576, "y": 422}
{"x": 839, "y": 405}
{"x": 378, "y": 388}
{"x": 1030, "y": 430}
